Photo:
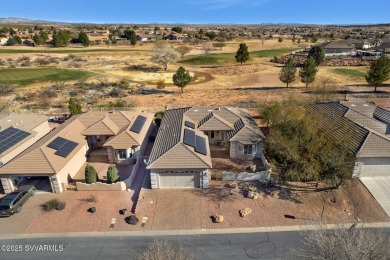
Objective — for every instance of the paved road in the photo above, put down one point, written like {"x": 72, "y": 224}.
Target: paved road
{"x": 232, "y": 246}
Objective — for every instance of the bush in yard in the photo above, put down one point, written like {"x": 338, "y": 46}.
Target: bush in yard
{"x": 158, "y": 117}
{"x": 132, "y": 220}
{"x": 112, "y": 174}
{"x": 50, "y": 205}
{"x": 161, "y": 249}
{"x": 91, "y": 175}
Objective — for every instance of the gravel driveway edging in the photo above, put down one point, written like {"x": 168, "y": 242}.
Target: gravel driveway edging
{"x": 188, "y": 232}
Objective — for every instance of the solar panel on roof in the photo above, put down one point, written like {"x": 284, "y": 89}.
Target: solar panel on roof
{"x": 11, "y": 136}
{"x": 189, "y": 137}
{"x": 63, "y": 146}
{"x": 201, "y": 145}
{"x": 189, "y": 124}
{"x": 57, "y": 143}
{"x": 138, "y": 124}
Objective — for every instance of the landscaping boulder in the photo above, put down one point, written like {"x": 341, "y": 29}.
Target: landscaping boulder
{"x": 232, "y": 185}
{"x": 122, "y": 211}
{"x": 92, "y": 210}
{"x": 250, "y": 188}
{"x": 251, "y": 168}
{"x": 252, "y": 195}
{"x": 61, "y": 205}
{"x": 217, "y": 218}
{"x": 132, "y": 220}
{"x": 245, "y": 212}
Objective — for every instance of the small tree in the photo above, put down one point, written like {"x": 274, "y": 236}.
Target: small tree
{"x": 163, "y": 54}
{"x": 181, "y": 78}
{"x": 343, "y": 242}
{"x": 378, "y": 72}
{"x": 163, "y": 250}
{"x": 83, "y": 39}
{"x": 294, "y": 38}
{"x": 37, "y": 39}
{"x": 183, "y": 50}
{"x": 280, "y": 39}
{"x": 219, "y": 45}
{"x": 132, "y": 36}
{"x": 287, "y": 74}
{"x": 317, "y": 52}
{"x": 308, "y": 71}
{"x": 112, "y": 174}
{"x": 242, "y": 54}
{"x": 207, "y": 47}
{"x": 74, "y": 107}
{"x": 91, "y": 175}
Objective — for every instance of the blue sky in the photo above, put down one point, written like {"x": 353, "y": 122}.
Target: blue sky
{"x": 200, "y": 11}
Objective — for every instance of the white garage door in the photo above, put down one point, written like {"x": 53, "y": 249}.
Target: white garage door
{"x": 179, "y": 180}
{"x": 372, "y": 167}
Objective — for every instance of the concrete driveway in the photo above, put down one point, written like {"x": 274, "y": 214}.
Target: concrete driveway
{"x": 379, "y": 187}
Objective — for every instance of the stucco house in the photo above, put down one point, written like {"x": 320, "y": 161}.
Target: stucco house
{"x": 339, "y": 49}
{"x": 365, "y": 130}
{"x": 181, "y": 156}
{"x": 56, "y": 158}
{"x": 18, "y": 132}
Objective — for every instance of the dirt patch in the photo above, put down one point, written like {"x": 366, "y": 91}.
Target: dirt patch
{"x": 353, "y": 203}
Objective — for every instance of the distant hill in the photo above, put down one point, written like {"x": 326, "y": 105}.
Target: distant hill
{"x": 14, "y": 20}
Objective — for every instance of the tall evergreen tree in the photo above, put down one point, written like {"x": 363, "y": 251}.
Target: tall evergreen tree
{"x": 91, "y": 175}
{"x": 74, "y": 107}
{"x": 181, "y": 78}
{"x": 83, "y": 39}
{"x": 112, "y": 174}
{"x": 242, "y": 54}
{"x": 37, "y": 39}
{"x": 378, "y": 72}
{"x": 132, "y": 36}
{"x": 287, "y": 74}
{"x": 318, "y": 53}
{"x": 308, "y": 71}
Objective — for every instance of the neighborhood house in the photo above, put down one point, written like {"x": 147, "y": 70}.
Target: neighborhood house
{"x": 181, "y": 154}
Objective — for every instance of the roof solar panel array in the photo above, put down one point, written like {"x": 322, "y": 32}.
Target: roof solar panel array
{"x": 189, "y": 137}
{"x": 63, "y": 146}
{"x": 201, "y": 145}
{"x": 11, "y": 136}
{"x": 138, "y": 124}
{"x": 189, "y": 124}
{"x": 382, "y": 115}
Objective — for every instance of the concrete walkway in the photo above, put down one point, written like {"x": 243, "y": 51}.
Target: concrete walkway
{"x": 153, "y": 233}
{"x": 379, "y": 187}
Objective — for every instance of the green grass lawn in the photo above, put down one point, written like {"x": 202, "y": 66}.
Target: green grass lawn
{"x": 86, "y": 50}
{"x": 25, "y": 76}
{"x": 221, "y": 58}
{"x": 349, "y": 72}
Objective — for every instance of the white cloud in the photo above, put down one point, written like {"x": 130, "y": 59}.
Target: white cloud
{"x": 221, "y": 4}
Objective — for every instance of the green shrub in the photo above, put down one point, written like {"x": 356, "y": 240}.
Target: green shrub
{"x": 91, "y": 175}
{"x": 50, "y": 205}
{"x": 158, "y": 117}
{"x": 112, "y": 174}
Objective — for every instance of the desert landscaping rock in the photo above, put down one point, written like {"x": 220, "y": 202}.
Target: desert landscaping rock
{"x": 245, "y": 212}
{"x": 252, "y": 195}
{"x": 217, "y": 218}
{"x": 122, "y": 211}
{"x": 251, "y": 168}
{"x": 132, "y": 220}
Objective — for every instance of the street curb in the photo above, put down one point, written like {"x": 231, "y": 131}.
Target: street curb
{"x": 153, "y": 233}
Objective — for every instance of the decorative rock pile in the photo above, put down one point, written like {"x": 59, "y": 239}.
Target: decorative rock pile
{"x": 217, "y": 218}
{"x": 245, "y": 212}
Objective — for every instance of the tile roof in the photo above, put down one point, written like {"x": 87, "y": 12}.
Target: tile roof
{"x": 25, "y": 122}
{"x": 368, "y": 122}
{"x": 375, "y": 146}
{"x": 199, "y": 113}
{"x": 103, "y": 127}
{"x": 214, "y": 122}
{"x": 169, "y": 148}
{"x": 340, "y": 128}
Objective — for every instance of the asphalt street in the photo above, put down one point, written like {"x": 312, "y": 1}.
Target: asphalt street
{"x": 274, "y": 245}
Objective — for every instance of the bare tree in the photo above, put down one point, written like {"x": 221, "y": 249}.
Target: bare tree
{"x": 163, "y": 250}
{"x": 163, "y": 54}
{"x": 206, "y": 48}
{"x": 183, "y": 50}
{"x": 343, "y": 242}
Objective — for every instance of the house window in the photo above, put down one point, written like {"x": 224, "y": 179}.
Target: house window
{"x": 212, "y": 134}
{"x": 248, "y": 148}
{"x": 121, "y": 154}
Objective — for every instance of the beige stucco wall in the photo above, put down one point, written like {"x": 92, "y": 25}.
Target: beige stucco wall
{"x": 73, "y": 166}
{"x": 99, "y": 186}
{"x": 41, "y": 130}
{"x": 237, "y": 151}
